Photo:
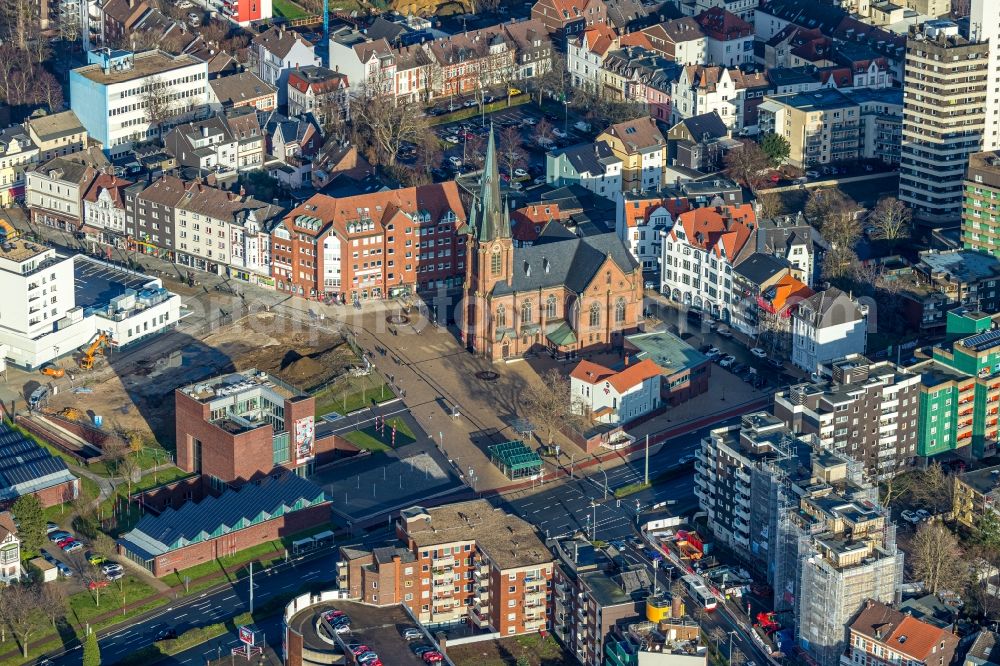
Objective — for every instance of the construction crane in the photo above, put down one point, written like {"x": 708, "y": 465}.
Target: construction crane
{"x": 96, "y": 347}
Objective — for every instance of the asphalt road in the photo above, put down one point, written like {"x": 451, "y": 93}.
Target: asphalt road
{"x": 207, "y": 608}
{"x": 567, "y": 506}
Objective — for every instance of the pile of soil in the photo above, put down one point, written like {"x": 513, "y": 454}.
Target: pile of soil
{"x": 302, "y": 370}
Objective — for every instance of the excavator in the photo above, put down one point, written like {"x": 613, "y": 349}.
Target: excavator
{"x": 52, "y": 370}
{"x": 96, "y": 347}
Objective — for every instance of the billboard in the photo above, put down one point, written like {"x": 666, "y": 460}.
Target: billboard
{"x": 247, "y": 635}
{"x": 305, "y": 436}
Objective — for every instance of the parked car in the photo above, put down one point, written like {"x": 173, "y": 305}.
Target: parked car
{"x": 366, "y": 657}
{"x": 412, "y": 634}
{"x": 112, "y": 567}
{"x": 62, "y": 541}
{"x": 58, "y": 535}
{"x": 685, "y": 459}
{"x": 95, "y": 559}
{"x": 64, "y": 570}
{"x": 739, "y": 368}
{"x": 420, "y": 648}
{"x": 165, "y": 635}
{"x": 51, "y": 527}
{"x": 713, "y": 353}
{"x": 115, "y": 575}
{"x": 727, "y": 361}
{"x": 455, "y": 161}
{"x": 47, "y": 556}
{"x": 451, "y": 138}
{"x": 910, "y": 517}
{"x": 776, "y": 364}
{"x": 559, "y": 133}
{"x": 758, "y": 352}
{"x": 923, "y": 514}
{"x": 724, "y": 332}
{"x": 520, "y": 173}
{"x": 72, "y": 546}
{"x": 432, "y": 657}
{"x": 812, "y": 174}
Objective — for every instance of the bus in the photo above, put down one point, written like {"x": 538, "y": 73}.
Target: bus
{"x": 700, "y": 593}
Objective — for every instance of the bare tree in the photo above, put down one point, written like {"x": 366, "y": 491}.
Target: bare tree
{"x": 384, "y": 123}
{"x": 475, "y": 151}
{"x": 836, "y": 216}
{"x": 747, "y": 164}
{"x": 717, "y": 634}
{"x": 21, "y": 18}
{"x": 737, "y": 658}
{"x": 891, "y": 219}
{"x": 52, "y": 602}
{"x": 511, "y": 151}
{"x": 49, "y": 91}
{"x": 934, "y": 488}
{"x": 22, "y": 612}
{"x": 770, "y": 205}
{"x": 839, "y": 262}
{"x": 543, "y": 130}
{"x": 554, "y": 79}
{"x": 157, "y": 98}
{"x": 936, "y": 558}
{"x": 548, "y": 403}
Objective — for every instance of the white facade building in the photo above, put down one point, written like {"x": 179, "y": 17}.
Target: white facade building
{"x": 110, "y": 95}
{"x": 825, "y": 327}
{"x": 699, "y": 254}
{"x": 41, "y": 319}
{"x": 701, "y": 90}
{"x": 10, "y": 549}
{"x": 613, "y": 397}
{"x": 277, "y": 51}
{"x": 641, "y": 221}
{"x": 592, "y": 166}
{"x": 984, "y": 21}
{"x": 585, "y": 55}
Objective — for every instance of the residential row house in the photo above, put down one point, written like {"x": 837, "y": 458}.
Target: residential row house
{"x": 319, "y": 92}
{"x": 276, "y": 52}
{"x": 642, "y": 148}
{"x": 222, "y": 145}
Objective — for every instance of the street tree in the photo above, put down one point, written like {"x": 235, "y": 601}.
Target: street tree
{"x": 91, "y": 650}
{"x": 717, "y": 634}
{"x": 30, "y": 515}
{"x": 737, "y": 658}
{"x": 52, "y": 602}
{"x": 549, "y": 404}
{"x": 746, "y": 164}
{"x": 475, "y": 151}
{"x": 891, "y": 219}
{"x": 836, "y": 216}
{"x": 936, "y": 558}
{"x": 22, "y": 612}
{"x": 776, "y": 148}
{"x": 510, "y": 150}
{"x": 543, "y": 130}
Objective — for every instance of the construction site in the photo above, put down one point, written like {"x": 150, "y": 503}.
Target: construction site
{"x": 136, "y": 390}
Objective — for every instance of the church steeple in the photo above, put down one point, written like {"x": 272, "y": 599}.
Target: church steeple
{"x": 490, "y": 217}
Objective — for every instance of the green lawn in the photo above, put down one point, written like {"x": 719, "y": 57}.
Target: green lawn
{"x": 372, "y": 439}
{"x": 289, "y": 10}
{"x": 349, "y": 394}
{"x": 83, "y": 605}
{"x": 214, "y": 568}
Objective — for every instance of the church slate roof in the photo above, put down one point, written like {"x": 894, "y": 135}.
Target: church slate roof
{"x": 572, "y": 262}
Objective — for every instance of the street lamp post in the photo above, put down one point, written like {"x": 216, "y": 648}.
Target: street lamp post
{"x": 604, "y": 472}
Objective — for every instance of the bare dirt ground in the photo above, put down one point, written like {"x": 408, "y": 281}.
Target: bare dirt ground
{"x": 137, "y": 394}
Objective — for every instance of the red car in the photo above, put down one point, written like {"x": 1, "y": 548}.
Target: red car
{"x": 65, "y": 540}
{"x": 432, "y": 656}
{"x": 359, "y": 649}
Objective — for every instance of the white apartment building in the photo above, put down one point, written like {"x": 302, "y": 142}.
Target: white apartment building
{"x": 825, "y": 327}
{"x": 642, "y": 220}
{"x": 585, "y": 54}
{"x": 701, "y": 90}
{"x": 943, "y": 70}
{"x": 10, "y": 549}
{"x": 17, "y": 154}
{"x": 611, "y": 397}
{"x": 590, "y": 165}
{"x": 41, "y": 319}
{"x": 111, "y": 95}
{"x": 699, "y": 253}
{"x": 276, "y": 52}
{"x": 984, "y": 22}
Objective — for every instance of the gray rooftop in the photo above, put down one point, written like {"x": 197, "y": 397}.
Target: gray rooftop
{"x": 255, "y": 502}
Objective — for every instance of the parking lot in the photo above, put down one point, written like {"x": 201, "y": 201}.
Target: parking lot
{"x": 460, "y": 137}
{"x": 95, "y": 284}
{"x": 76, "y": 563}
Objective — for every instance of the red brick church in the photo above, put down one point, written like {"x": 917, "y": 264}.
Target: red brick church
{"x": 565, "y": 293}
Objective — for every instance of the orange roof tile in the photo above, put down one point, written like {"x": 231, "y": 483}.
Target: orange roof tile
{"x": 646, "y": 207}
{"x": 790, "y": 291}
{"x": 727, "y": 228}
{"x": 634, "y": 375}
{"x": 590, "y": 372}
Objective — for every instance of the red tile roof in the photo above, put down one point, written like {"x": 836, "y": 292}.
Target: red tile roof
{"x": 636, "y": 209}
{"x": 622, "y": 381}
{"x": 590, "y": 372}
{"x": 902, "y": 633}
{"x": 727, "y": 228}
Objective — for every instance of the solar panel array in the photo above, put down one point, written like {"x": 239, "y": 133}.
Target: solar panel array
{"x": 23, "y": 462}
{"x": 982, "y": 341}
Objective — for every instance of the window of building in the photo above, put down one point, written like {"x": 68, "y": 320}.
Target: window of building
{"x": 526, "y": 312}
{"x": 620, "y": 311}
{"x": 550, "y": 307}
{"x": 595, "y": 315}
{"x": 495, "y": 260}
{"x": 501, "y": 316}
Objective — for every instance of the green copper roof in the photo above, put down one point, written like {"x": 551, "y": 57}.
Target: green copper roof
{"x": 489, "y": 214}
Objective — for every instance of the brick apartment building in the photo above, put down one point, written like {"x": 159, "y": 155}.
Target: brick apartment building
{"x": 372, "y": 245}
{"x": 241, "y": 426}
{"x": 462, "y": 562}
